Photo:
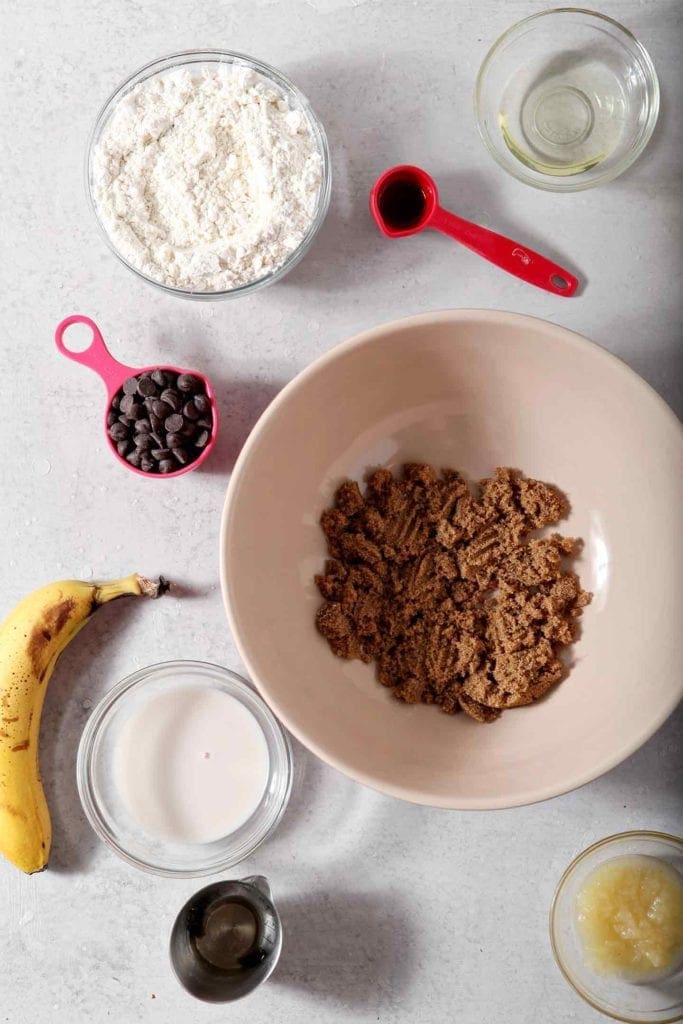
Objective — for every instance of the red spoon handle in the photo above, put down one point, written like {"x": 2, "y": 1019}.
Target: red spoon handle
{"x": 505, "y": 253}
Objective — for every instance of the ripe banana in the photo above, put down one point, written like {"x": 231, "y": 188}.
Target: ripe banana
{"x": 31, "y": 639}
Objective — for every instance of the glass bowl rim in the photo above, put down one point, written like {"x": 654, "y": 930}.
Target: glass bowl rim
{"x": 652, "y": 88}
{"x": 616, "y": 838}
{"x": 170, "y": 62}
{"x": 280, "y": 766}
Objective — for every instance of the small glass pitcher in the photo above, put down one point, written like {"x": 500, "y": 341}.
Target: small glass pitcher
{"x": 226, "y": 940}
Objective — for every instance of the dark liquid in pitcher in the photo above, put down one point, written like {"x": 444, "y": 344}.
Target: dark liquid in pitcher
{"x": 401, "y": 204}
{"x": 228, "y": 935}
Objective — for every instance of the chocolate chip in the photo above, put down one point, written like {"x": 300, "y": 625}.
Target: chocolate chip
{"x": 118, "y": 432}
{"x": 160, "y": 408}
{"x": 186, "y": 382}
{"x": 147, "y": 388}
{"x": 202, "y": 403}
{"x": 158, "y": 420}
{"x": 173, "y": 423}
{"x": 171, "y": 398}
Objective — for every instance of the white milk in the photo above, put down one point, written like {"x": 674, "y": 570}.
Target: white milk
{"x": 192, "y": 764}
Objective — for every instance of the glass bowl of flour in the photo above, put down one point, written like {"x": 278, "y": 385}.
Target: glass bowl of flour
{"x": 209, "y": 174}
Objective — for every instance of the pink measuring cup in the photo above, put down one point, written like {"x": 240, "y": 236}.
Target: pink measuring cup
{"x": 97, "y": 357}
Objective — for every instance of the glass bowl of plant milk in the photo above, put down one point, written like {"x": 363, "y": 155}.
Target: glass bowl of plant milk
{"x": 183, "y": 770}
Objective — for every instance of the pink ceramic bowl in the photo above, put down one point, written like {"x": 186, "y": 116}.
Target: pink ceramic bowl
{"x": 470, "y": 389}
{"x": 97, "y": 357}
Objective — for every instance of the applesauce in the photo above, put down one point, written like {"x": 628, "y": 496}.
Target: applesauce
{"x": 629, "y": 916}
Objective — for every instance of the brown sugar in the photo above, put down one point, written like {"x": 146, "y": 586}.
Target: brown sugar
{"x": 448, "y": 591}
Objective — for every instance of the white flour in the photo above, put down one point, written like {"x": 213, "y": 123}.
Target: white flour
{"x": 206, "y": 180}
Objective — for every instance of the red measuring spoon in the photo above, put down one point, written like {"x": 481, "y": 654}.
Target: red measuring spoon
{"x": 405, "y": 200}
{"x": 97, "y": 357}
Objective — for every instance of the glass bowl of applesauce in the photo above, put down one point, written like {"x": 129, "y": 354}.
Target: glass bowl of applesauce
{"x": 616, "y": 926}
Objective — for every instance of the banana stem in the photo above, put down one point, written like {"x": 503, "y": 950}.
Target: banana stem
{"x": 134, "y": 585}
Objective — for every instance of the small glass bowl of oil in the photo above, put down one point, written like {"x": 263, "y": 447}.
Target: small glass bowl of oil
{"x": 566, "y": 99}
{"x": 616, "y": 928}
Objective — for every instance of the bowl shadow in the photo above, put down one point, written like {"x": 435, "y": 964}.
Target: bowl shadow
{"x": 660, "y": 758}
{"x": 240, "y": 405}
{"x": 349, "y": 948}
{"x": 307, "y": 778}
